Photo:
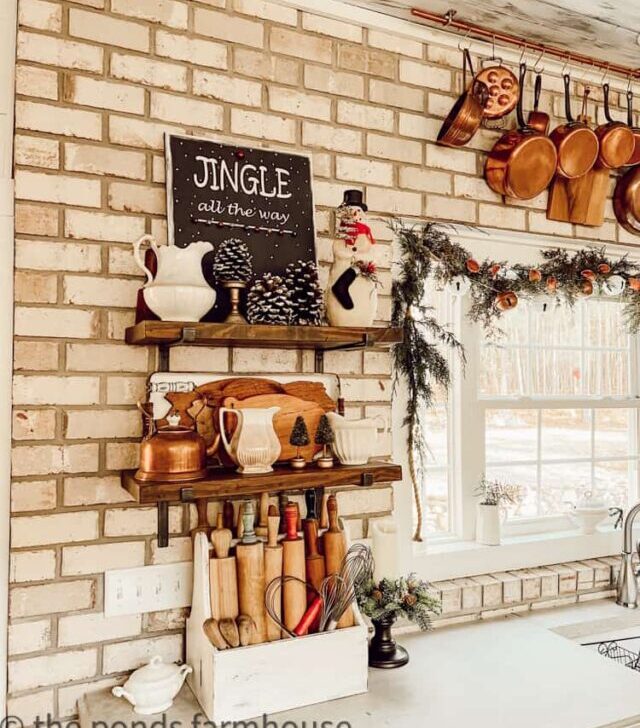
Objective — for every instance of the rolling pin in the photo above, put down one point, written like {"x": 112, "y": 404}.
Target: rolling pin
{"x": 324, "y": 517}
{"x": 283, "y": 499}
{"x": 335, "y": 548}
{"x": 262, "y": 527}
{"x": 294, "y": 593}
{"x": 311, "y": 500}
{"x": 240, "y": 522}
{"x": 273, "y": 568}
{"x": 314, "y": 561}
{"x": 222, "y": 577}
{"x": 228, "y": 515}
{"x": 251, "y": 576}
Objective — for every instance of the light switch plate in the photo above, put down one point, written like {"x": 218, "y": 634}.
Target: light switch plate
{"x": 148, "y": 589}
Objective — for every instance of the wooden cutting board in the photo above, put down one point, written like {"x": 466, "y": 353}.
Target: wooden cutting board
{"x": 290, "y": 408}
{"x": 580, "y": 201}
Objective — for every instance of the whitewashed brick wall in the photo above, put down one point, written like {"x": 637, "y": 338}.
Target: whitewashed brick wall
{"x": 97, "y": 86}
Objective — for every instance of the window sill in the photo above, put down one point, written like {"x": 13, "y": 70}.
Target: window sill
{"x": 454, "y": 559}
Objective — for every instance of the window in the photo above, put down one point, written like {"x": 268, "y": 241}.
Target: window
{"x": 557, "y": 396}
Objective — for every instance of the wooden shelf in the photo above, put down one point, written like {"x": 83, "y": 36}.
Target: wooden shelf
{"x": 229, "y": 484}
{"x": 170, "y": 333}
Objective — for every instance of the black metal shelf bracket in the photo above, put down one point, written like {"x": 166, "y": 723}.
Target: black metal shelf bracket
{"x": 163, "y": 524}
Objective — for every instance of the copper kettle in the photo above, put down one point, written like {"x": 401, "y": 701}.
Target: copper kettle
{"x": 172, "y": 454}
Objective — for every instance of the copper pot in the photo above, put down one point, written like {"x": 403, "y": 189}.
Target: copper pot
{"x": 504, "y": 90}
{"x": 522, "y": 162}
{"x": 626, "y": 201}
{"x": 635, "y": 157}
{"x": 465, "y": 117}
{"x": 576, "y": 143}
{"x": 616, "y": 139}
{"x": 538, "y": 120}
{"x": 173, "y": 454}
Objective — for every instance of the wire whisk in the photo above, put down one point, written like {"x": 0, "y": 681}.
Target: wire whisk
{"x": 338, "y": 591}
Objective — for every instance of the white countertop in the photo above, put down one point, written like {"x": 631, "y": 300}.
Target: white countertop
{"x": 526, "y": 671}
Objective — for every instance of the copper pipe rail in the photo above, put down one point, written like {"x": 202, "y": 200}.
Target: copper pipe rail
{"x": 448, "y": 21}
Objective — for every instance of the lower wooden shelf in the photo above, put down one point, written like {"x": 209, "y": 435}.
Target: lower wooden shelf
{"x": 229, "y": 484}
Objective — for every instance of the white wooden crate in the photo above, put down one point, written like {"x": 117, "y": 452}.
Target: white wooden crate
{"x": 248, "y": 682}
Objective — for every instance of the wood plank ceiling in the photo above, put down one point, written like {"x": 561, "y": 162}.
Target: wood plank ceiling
{"x": 606, "y": 29}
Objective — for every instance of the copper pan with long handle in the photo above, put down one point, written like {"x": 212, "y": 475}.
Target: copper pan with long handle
{"x": 635, "y": 157}
{"x": 576, "y": 143}
{"x": 523, "y": 161}
{"x": 616, "y": 139}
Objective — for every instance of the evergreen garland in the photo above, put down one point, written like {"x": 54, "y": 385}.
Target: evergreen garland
{"x": 306, "y": 292}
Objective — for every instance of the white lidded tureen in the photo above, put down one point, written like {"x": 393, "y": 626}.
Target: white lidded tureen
{"x": 589, "y": 512}
{"x": 152, "y": 688}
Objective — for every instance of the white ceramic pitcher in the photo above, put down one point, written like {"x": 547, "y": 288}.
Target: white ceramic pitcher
{"x": 254, "y": 446}
{"x": 179, "y": 290}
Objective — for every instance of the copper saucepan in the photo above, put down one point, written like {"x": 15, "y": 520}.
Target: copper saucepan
{"x": 522, "y": 162}
{"x": 465, "y": 117}
{"x": 538, "y": 120}
{"x": 616, "y": 139}
{"x": 635, "y": 157}
{"x": 576, "y": 143}
{"x": 626, "y": 201}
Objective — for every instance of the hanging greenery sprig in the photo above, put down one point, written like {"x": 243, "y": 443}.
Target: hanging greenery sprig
{"x": 418, "y": 358}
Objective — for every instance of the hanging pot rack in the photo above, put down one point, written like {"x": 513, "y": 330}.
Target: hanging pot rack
{"x": 471, "y": 31}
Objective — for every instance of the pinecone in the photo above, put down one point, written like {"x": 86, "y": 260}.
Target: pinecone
{"x": 302, "y": 281}
{"x": 268, "y": 301}
{"x": 233, "y": 261}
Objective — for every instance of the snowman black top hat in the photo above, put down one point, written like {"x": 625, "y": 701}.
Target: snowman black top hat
{"x": 353, "y": 198}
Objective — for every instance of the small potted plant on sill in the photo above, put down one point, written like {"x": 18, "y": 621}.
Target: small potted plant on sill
{"x": 494, "y": 496}
{"x": 387, "y": 600}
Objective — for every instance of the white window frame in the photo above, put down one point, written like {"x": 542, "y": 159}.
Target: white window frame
{"x": 530, "y": 542}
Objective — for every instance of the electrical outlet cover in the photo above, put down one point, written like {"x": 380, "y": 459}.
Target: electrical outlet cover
{"x": 148, "y": 589}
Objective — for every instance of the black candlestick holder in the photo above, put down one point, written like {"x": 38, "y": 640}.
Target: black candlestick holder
{"x": 384, "y": 652}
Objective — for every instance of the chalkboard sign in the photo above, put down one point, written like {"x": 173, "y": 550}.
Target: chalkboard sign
{"x": 219, "y": 191}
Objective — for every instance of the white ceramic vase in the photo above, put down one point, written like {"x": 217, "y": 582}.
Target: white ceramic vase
{"x": 254, "y": 446}
{"x": 179, "y": 290}
{"x": 488, "y": 525}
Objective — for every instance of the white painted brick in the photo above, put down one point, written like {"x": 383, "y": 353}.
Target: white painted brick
{"x": 366, "y": 171}
{"x": 395, "y": 43}
{"x": 264, "y": 360}
{"x": 418, "y": 126}
{"x": 84, "y": 290}
{"x": 105, "y": 357}
{"x": 471, "y": 593}
{"x": 126, "y": 390}
{"x": 390, "y": 147}
{"x": 332, "y": 28}
{"x": 425, "y": 180}
{"x": 84, "y": 560}
{"x": 68, "y": 697}
{"x": 228, "y": 27}
{"x": 57, "y": 188}
{"x": 91, "y": 628}
{"x": 138, "y": 521}
{"x": 104, "y": 29}
{"x": 25, "y": 637}
{"x": 100, "y": 226}
{"x": 226, "y": 88}
{"x": 267, "y": 11}
{"x": 36, "y": 152}
{"x": 448, "y": 208}
{"x": 473, "y": 188}
{"x": 52, "y": 51}
{"x": 367, "y": 60}
{"x": 179, "y": 549}
{"x": 60, "y": 322}
{"x": 88, "y": 424}
{"x": 391, "y": 94}
{"x": 501, "y": 216}
{"x": 31, "y": 706}
{"x": 149, "y": 71}
{"x": 260, "y": 65}
{"x": 56, "y": 120}
{"x": 165, "y": 12}
{"x": 361, "y": 115}
{"x": 58, "y": 528}
{"x": 137, "y": 198}
{"x": 35, "y": 355}
{"x": 199, "y": 359}
{"x": 450, "y": 595}
{"x": 366, "y": 390}
{"x": 491, "y": 590}
{"x": 138, "y": 133}
{"x": 32, "y": 566}
{"x": 34, "y": 424}
{"x": 50, "y": 459}
{"x": 93, "y": 490}
{"x": 388, "y": 201}
{"x": 193, "y": 50}
{"x": 511, "y": 587}
{"x": 339, "y": 83}
{"x": 53, "y": 669}
{"x": 538, "y": 223}
{"x": 131, "y": 655}
{"x": 37, "y": 495}
{"x": 68, "y": 596}
{"x": 49, "y": 256}
{"x": 453, "y": 160}
{"x": 290, "y": 43}
{"x": 86, "y": 91}
{"x": 41, "y": 15}
{"x": 355, "y": 502}
{"x": 291, "y": 101}
{"x": 33, "y": 81}
{"x": 30, "y": 287}
{"x": 55, "y": 390}
{"x": 331, "y": 137}
{"x": 263, "y": 126}
{"x": 423, "y": 74}
{"x": 377, "y": 362}
{"x": 186, "y": 111}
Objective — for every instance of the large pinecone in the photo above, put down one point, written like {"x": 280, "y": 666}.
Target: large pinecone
{"x": 233, "y": 261}
{"x": 268, "y": 301}
{"x": 306, "y": 294}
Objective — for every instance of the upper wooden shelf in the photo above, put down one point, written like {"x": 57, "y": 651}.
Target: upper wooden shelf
{"x": 169, "y": 333}
{"x": 229, "y": 484}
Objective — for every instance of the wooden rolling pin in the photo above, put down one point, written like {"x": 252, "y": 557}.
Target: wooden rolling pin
{"x": 335, "y": 548}
{"x": 294, "y": 593}
{"x": 223, "y": 580}
{"x": 283, "y": 499}
{"x": 262, "y": 527}
{"x": 228, "y": 515}
{"x": 273, "y": 568}
{"x": 314, "y": 561}
{"x": 251, "y": 575}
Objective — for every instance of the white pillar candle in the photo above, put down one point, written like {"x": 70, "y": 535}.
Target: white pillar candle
{"x": 384, "y": 538}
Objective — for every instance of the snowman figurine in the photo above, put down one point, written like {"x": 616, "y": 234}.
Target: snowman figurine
{"x": 352, "y": 297}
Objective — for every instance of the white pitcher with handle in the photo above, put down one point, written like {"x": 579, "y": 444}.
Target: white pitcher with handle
{"x": 254, "y": 447}
{"x": 179, "y": 290}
